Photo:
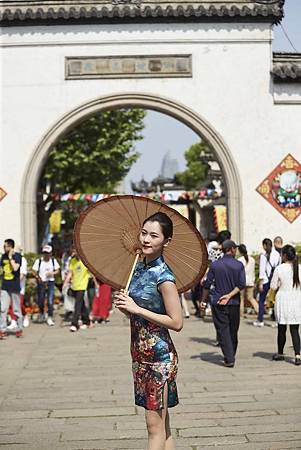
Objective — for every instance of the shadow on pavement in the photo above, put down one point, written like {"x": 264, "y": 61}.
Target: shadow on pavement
{"x": 264, "y": 355}
{"x": 203, "y": 340}
{"x": 211, "y": 357}
{"x": 268, "y": 356}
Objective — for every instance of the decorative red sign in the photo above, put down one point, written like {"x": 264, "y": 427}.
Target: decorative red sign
{"x": 2, "y": 194}
{"x": 282, "y": 188}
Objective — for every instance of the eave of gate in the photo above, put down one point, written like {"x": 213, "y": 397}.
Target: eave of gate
{"x": 16, "y": 13}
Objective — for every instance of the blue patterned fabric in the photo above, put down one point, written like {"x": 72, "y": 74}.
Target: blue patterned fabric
{"x": 145, "y": 282}
{"x": 153, "y": 353}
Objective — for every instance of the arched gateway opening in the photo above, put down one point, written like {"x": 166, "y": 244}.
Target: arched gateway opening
{"x": 163, "y": 105}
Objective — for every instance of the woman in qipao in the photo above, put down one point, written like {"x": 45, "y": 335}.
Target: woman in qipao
{"x": 153, "y": 306}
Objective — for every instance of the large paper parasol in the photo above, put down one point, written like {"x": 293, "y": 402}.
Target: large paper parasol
{"x": 106, "y": 238}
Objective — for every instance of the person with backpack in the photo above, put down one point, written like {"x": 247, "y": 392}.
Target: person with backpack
{"x": 45, "y": 269}
{"x": 269, "y": 260}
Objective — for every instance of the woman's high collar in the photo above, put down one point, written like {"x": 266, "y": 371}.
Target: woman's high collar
{"x": 155, "y": 262}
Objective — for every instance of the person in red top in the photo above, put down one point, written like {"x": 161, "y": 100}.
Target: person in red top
{"x": 102, "y": 302}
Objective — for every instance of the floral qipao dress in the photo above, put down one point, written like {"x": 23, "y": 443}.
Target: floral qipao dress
{"x": 153, "y": 353}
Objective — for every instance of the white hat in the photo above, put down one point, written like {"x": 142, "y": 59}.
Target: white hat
{"x": 47, "y": 249}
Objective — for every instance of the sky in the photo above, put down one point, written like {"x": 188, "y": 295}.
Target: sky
{"x": 163, "y": 133}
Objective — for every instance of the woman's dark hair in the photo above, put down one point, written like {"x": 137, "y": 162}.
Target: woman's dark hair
{"x": 164, "y": 222}
{"x": 212, "y": 236}
{"x": 244, "y": 252}
{"x": 290, "y": 254}
{"x": 223, "y": 236}
{"x": 269, "y": 245}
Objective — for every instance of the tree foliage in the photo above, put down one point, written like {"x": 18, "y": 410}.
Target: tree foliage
{"x": 97, "y": 154}
{"x": 91, "y": 158}
{"x": 196, "y": 172}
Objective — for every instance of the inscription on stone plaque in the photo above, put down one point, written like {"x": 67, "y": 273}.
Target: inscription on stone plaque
{"x": 136, "y": 3}
{"x": 128, "y": 66}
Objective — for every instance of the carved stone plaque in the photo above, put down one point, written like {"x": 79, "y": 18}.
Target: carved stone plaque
{"x": 128, "y": 66}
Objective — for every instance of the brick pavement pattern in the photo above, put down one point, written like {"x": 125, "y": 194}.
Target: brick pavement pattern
{"x": 73, "y": 391}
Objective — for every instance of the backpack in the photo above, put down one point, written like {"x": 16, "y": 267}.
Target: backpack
{"x": 40, "y": 262}
{"x": 269, "y": 277}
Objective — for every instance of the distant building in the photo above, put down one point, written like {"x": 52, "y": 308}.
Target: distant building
{"x": 141, "y": 187}
{"x": 169, "y": 166}
{"x": 203, "y": 207}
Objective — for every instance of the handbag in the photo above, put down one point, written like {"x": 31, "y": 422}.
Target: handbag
{"x": 70, "y": 292}
{"x": 271, "y": 298}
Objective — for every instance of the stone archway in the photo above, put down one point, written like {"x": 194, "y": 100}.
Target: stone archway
{"x": 143, "y": 100}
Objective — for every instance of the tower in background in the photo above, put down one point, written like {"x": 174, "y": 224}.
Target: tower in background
{"x": 169, "y": 166}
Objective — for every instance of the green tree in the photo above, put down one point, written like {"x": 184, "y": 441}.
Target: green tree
{"x": 97, "y": 154}
{"x": 196, "y": 168}
{"x": 91, "y": 158}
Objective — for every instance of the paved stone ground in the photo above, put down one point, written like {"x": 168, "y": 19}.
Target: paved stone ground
{"x": 67, "y": 391}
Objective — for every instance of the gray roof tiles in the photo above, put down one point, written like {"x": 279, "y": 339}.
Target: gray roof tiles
{"x": 31, "y": 12}
{"x": 286, "y": 67}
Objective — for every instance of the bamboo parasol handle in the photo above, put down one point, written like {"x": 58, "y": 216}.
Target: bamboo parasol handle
{"x": 138, "y": 253}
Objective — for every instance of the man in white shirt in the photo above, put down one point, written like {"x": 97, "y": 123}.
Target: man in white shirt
{"x": 45, "y": 269}
{"x": 269, "y": 260}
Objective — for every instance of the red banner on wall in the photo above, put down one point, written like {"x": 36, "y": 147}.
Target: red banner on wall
{"x": 282, "y": 188}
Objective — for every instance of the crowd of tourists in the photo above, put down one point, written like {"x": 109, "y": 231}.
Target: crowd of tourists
{"x": 230, "y": 283}
{"x": 86, "y": 300}
{"x": 231, "y": 287}
{"x": 153, "y": 306}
